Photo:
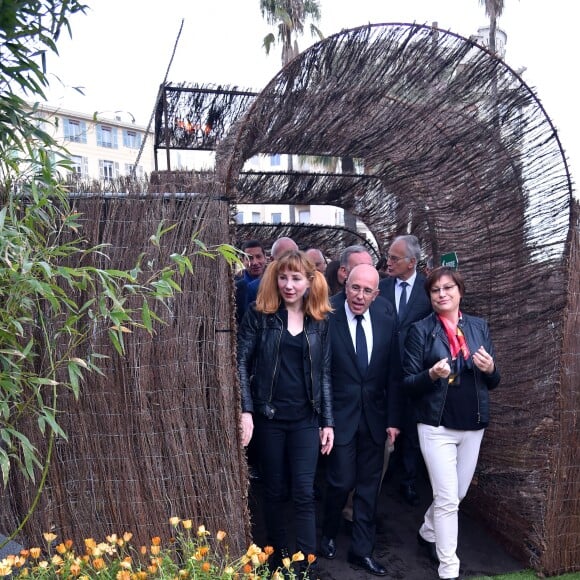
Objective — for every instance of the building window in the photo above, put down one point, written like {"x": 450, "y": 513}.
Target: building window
{"x": 304, "y": 216}
{"x": 131, "y": 139}
{"x": 108, "y": 169}
{"x": 275, "y": 160}
{"x": 276, "y": 218}
{"x": 75, "y": 130}
{"x": 240, "y": 217}
{"x": 80, "y": 166}
{"x": 107, "y": 136}
{"x": 256, "y": 217}
{"x": 129, "y": 170}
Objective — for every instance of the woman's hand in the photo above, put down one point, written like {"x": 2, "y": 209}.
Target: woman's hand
{"x": 440, "y": 370}
{"x": 483, "y": 361}
{"x": 247, "y": 428}
{"x": 326, "y": 440}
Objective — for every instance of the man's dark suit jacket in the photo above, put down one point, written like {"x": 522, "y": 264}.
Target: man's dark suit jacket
{"x": 376, "y": 394}
{"x": 418, "y": 306}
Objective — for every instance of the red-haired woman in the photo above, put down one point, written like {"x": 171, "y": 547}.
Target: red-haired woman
{"x": 284, "y": 370}
{"x": 449, "y": 368}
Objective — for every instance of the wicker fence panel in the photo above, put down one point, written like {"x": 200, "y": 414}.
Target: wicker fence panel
{"x": 157, "y": 435}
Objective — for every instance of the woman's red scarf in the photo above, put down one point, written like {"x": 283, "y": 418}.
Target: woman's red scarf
{"x": 455, "y": 337}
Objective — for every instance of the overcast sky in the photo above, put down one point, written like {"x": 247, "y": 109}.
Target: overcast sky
{"x": 121, "y": 49}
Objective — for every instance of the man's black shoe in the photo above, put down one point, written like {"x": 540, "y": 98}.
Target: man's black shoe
{"x": 430, "y": 548}
{"x": 367, "y": 563}
{"x": 327, "y": 548}
{"x": 409, "y": 493}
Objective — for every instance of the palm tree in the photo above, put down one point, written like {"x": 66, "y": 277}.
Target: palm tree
{"x": 289, "y": 16}
{"x": 493, "y": 9}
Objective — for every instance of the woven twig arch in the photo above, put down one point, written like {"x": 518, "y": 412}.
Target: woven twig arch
{"x": 458, "y": 150}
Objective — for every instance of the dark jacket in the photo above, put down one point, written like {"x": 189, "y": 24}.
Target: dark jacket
{"x": 374, "y": 395}
{"x": 259, "y": 363}
{"x": 427, "y": 344}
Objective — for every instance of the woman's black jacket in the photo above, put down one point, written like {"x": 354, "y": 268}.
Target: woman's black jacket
{"x": 427, "y": 344}
{"x": 259, "y": 362}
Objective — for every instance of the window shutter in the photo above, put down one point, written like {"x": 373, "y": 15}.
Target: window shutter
{"x": 99, "y": 136}
{"x": 83, "y": 135}
{"x": 115, "y": 143}
{"x": 116, "y": 169}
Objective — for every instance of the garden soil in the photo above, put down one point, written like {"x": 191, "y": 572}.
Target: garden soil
{"x": 396, "y": 546}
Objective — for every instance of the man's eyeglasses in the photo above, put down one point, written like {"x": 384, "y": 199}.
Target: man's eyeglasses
{"x": 445, "y": 289}
{"x": 396, "y": 259}
{"x": 356, "y": 289}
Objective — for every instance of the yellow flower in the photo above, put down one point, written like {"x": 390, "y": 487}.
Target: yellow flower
{"x": 143, "y": 550}
{"x": 311, "y": 558}
{"x": 220, "y": 536}
{"x": 75, "y": 569}
{"x": 229, "y": 570}
{"x": 5, "y": 568}
{"x": 156, "y": 541}
{"x": 127, "y": 536}
{"x": 187, "y": 524}
{"x": 98, "y": 563}
{"x": 247, "y": 569}
{"x": 126, "y": 562}
{"x": 123, "y": 575}
{"x": 298, "y": 557}
{"x": 286, "y": 562}
{"x": 49, "y": 537}
{"x": 155, "y": 550}
{"x": 203, "y": 551}
{"x": 141, "y": 575}
{"x": 201, "y": 531}
{"x": 269, "y": 550}
{"x": 68, "y": 544}
{"x": 112, "y": 539}
{"x": 35, "y": 553}
{"x": 253, "y": 550}
{"x": 184, "y": 574}
{"x": 43, "y": 564}
{"x": 174, "y": 521}
{"x": 206, "y": 567}
{"x": 255, "y": 560}
{"x": 56, "y": 560}
{"x": 61, "y": 548}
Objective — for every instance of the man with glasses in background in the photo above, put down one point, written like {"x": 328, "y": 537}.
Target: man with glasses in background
{"x": 366, "y": 411}
{"x": 404, "y": 289}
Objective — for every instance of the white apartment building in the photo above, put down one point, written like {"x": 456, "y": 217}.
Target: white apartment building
{"x": 102, "y": 146}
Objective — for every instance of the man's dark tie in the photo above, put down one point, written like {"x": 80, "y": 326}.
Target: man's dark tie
{"x": 362, "y": 353}
{"x": 403, "y": 300}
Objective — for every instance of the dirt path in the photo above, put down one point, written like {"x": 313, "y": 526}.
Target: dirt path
{"x": 397, "y": 547}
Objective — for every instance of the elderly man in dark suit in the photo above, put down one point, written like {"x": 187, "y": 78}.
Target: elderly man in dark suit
{"x": 404, "y": 289}
{"x": 366, "y": 411}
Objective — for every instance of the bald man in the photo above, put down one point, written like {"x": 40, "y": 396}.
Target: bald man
{"x": 366, "y": 410}
{"x": 317, "y": 258}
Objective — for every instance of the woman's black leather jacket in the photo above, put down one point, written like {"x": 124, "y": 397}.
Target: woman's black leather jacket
{"x": 259, "y": 362}
{"x": 427, "y": 344}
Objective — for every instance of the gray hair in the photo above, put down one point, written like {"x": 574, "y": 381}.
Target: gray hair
{"x": 351, "y": 250}
{"x": 412, "y": 244}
